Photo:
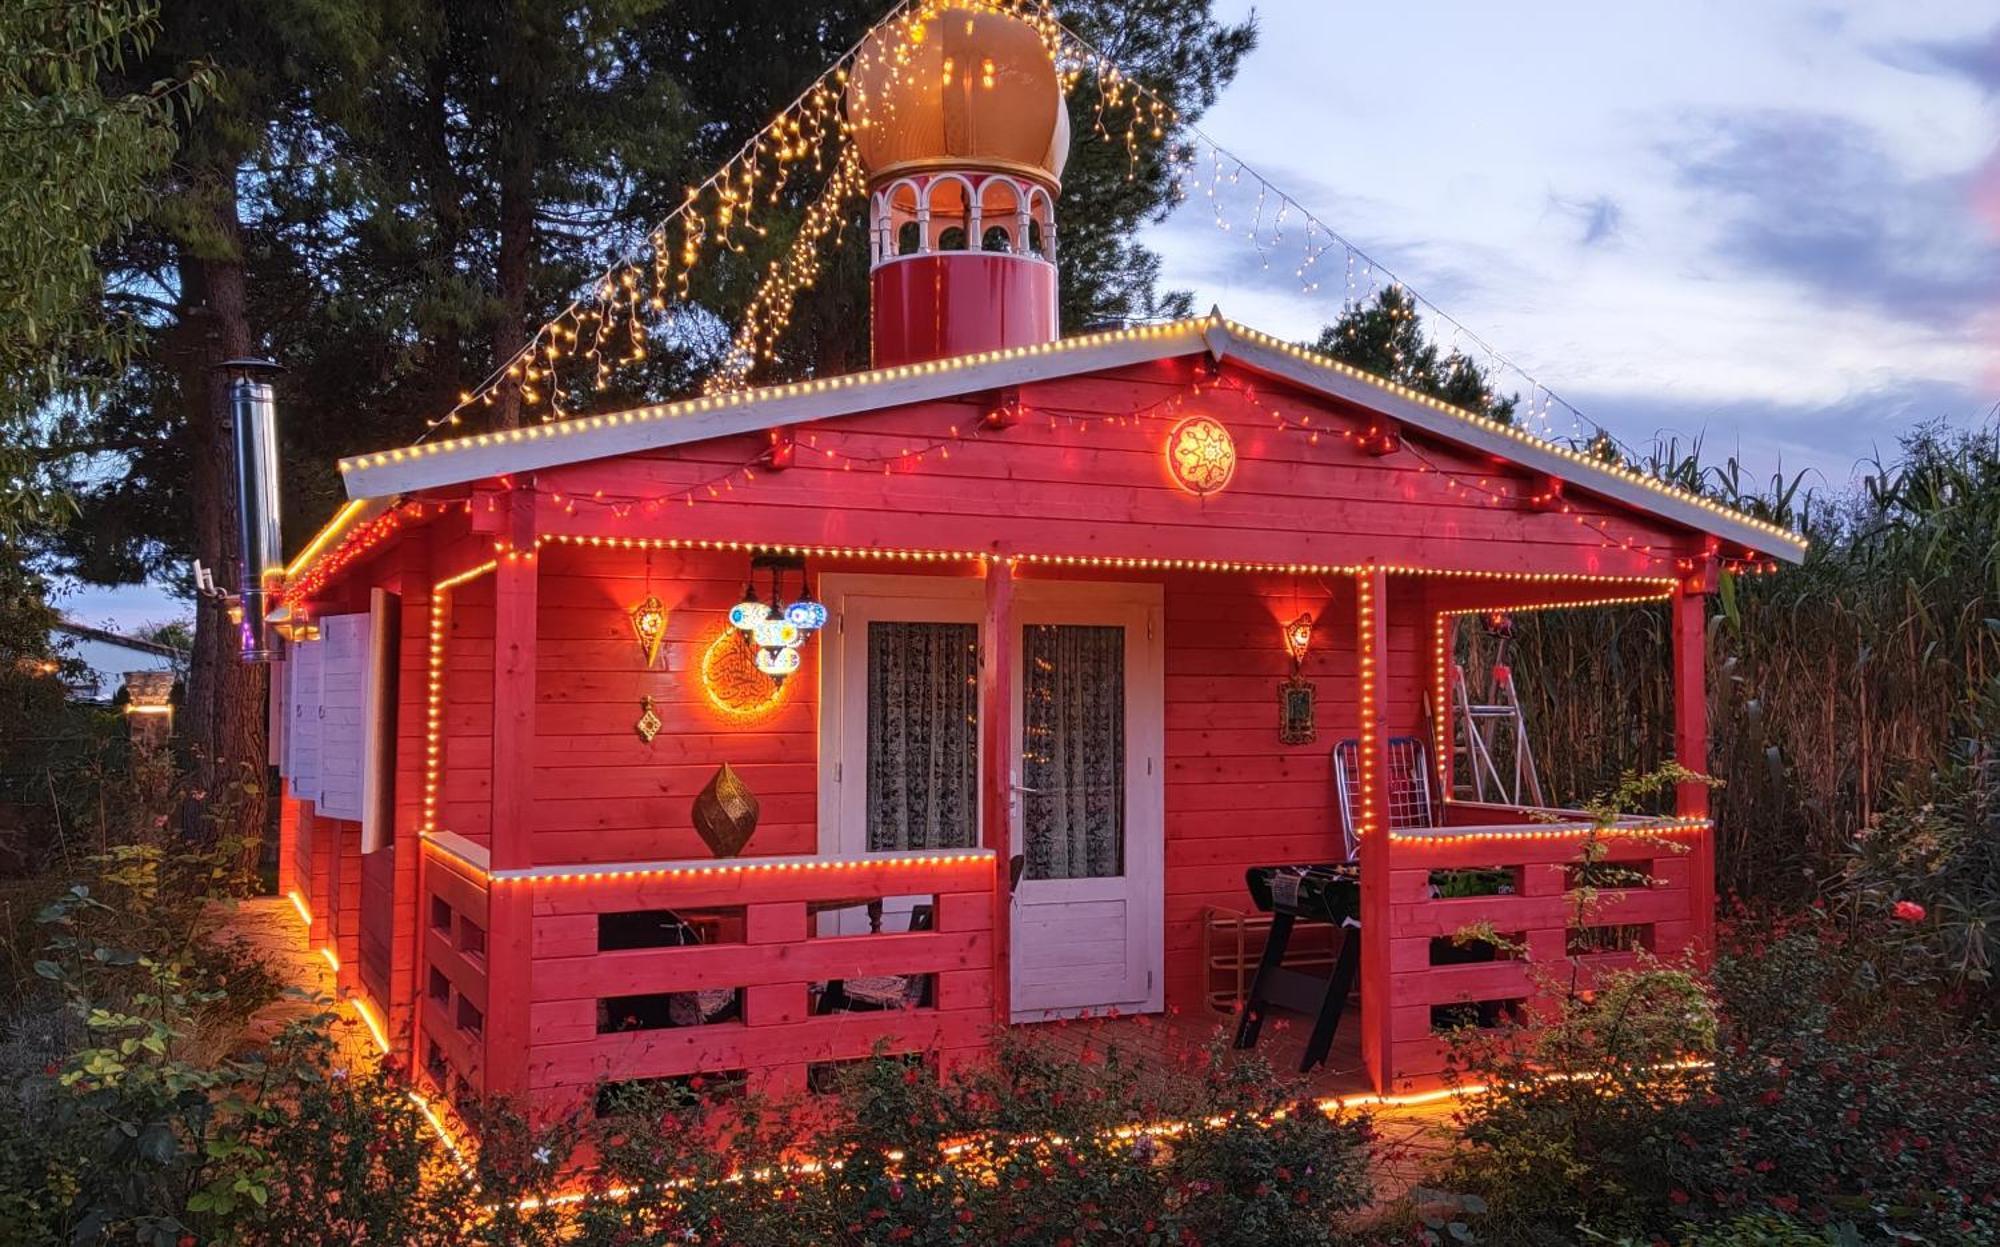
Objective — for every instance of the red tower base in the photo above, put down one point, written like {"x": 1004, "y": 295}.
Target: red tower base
{"x": 958, "y": 302}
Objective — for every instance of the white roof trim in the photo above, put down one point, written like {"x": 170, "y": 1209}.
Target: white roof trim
{"x": 405, "y": 470}
{"x": 750, "y": 411}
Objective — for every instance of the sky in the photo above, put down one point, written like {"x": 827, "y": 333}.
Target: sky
{"x": 1772, "y": 224}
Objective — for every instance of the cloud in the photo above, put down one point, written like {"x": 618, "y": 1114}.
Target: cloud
{"x": 1600, "y": 218}
{"x": 1976, "y": 59}
{"x": 1817, "y": 200}
{"x": 1788, "y": 438}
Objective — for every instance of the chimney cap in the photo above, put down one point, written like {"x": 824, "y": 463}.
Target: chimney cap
{"x": 254, "y": 365}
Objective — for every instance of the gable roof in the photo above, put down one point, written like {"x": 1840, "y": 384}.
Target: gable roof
{"x": 385, "y": 474}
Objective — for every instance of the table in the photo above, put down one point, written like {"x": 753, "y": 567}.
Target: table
{"x": 1325, "y": 892}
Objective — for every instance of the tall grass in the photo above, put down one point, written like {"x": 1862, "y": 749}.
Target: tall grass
{"x": 1831, "y": 684}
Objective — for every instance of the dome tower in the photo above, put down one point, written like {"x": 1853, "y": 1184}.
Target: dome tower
{"x": 963, "y": 132}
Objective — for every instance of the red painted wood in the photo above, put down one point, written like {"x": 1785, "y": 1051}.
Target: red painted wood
{"x": 933, "y": 306}
{"x": 738, "y": 965}
{"x": 1371, "y": 604}
{"x": 509, "y": 931}
{"x": 736, "y": 1046}
{"x": 542, "y": 678}
{"x": 996, "y": 772}
{"x": 1690, "y": 644}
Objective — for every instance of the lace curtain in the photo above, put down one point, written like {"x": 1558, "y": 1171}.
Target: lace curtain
{"x": 1073, "y": 750}
{"x": 923, "y": 736}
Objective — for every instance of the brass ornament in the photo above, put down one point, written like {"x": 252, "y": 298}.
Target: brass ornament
{"x": 649, "y": 625}
{"x": 649, "y": 723}
{"x": 725, "y": 813}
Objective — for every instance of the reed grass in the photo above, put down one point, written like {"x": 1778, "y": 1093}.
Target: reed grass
{"x": 1830, "y": 684}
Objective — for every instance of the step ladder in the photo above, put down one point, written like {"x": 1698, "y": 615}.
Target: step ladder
{"x": 1489, "y": 731}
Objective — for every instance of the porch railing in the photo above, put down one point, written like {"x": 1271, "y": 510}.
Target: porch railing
{"x": 1520, "y": 876}
{"x": 741, "y": 988}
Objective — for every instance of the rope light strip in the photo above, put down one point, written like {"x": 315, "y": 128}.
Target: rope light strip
{"x": 702, "y": 870}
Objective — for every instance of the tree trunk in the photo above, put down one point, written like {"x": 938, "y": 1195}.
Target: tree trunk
{"x": 227, "y": 698}
{"x": 517, "y": 231}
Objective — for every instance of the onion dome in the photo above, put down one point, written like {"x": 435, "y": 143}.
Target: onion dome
{"x": 962, "y": 89}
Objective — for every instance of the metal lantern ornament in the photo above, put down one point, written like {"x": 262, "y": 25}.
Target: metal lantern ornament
{"x": 725, "y": 813}
{"x": 649, "y": 624}
{"x": 1298, "y": 640}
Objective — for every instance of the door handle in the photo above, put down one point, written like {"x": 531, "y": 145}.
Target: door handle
{"x": 1033, "y": 792}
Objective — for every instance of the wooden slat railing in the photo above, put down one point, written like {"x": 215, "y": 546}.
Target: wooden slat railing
{"x": 760, "y": 918}
{"x": 1541, "y": 912}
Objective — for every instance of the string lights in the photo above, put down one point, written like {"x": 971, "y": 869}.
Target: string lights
{"x": 440, "y": 616}
{"x": 606, "y": 328}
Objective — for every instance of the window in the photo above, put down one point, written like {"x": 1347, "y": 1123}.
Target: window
{"x": 952, "y": 239}
{"x": 923, "y": 735}
{"x": 996, "y": 239}
{"x": 908, "y": 236}
{"x": 1073, "y": 750}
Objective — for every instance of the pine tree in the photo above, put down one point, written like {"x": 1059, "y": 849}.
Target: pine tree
{"x": 1387, "y": 338}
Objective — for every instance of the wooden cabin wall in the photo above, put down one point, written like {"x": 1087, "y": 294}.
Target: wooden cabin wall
{"x": 1078, "y": 475}
{"x": 1235, "y": 796}
{"x": 603, "y": 794}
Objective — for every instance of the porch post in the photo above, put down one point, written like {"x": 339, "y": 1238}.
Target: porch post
{"x": 996, "y": 721}
{"x": 510, "y": 907}
{"x": 1371, "y": 663}
{"x": 1690, "y": 638}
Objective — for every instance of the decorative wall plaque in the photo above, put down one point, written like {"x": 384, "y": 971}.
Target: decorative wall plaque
{"x": 1296, "y": 724}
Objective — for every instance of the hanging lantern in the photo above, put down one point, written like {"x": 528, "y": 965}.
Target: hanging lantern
{"x": 649, "y": 624}
{"x": 777, "y": 634}
{"x": 1201, "y": 455}
{"x": 778, "y": 663}
{"x": 750, "y": 612}
{"x": 805, "y": 614}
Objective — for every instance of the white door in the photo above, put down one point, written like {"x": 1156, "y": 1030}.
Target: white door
{"x": 899, "y": 725}
{"x": 1087, "y": 808}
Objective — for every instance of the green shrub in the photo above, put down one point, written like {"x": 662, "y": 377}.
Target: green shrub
{"x": 1030, "y": 1148}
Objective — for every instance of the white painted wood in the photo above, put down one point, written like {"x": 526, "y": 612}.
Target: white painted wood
{"x": 1092, "y": 946}
{"x": 852, "y": 603}
{"x": 651, "y": 428}
{"x": 342, "y": 711}
{"x": 304, "y": 730}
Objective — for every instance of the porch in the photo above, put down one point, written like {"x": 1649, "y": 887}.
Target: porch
{"x": 533, "y": 982}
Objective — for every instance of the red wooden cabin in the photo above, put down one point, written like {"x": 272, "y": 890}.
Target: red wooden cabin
{"x": 1058, "y": 575}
